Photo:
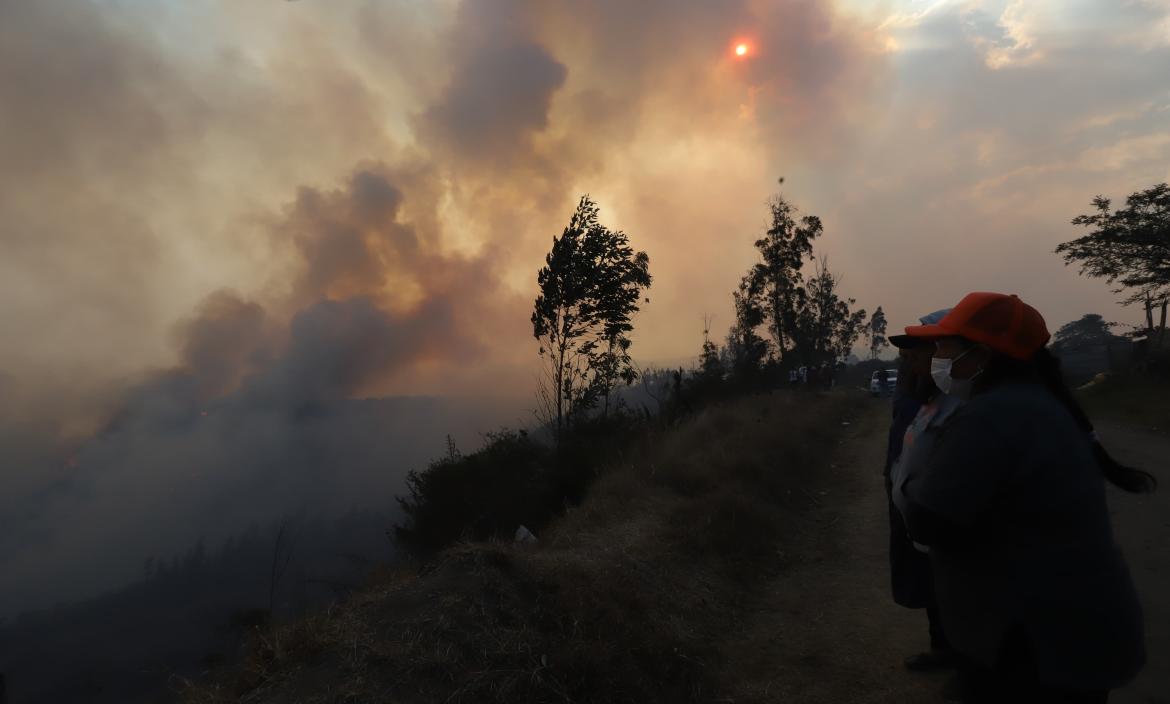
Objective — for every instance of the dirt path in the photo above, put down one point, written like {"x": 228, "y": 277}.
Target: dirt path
{"x": 1142, "y": 525}
{"x": 836, "y": 635}
{"x": 829, "y": 631}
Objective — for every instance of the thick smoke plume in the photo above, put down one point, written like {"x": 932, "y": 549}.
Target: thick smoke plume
{"x": 223, "y": 227}
{"x": 260, "y": 417}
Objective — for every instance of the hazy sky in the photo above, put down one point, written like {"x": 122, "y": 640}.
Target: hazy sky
{"x": 271, "y": 206}
{"x": 152, "y": 153}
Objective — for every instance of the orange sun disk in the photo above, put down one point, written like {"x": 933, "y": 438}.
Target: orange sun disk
{"x": 741, "y": 49}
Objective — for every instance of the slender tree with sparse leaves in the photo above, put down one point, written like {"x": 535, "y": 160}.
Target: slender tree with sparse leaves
{"x": 746, "y": 350}
{"x": 826, "y": 326}
{"x": 807, "y": 322}
{"x": 776, "y": 284}
{"x": 710, "y": 362}
{"x": 590, "y": 289}
{"x": 876, "y": 332}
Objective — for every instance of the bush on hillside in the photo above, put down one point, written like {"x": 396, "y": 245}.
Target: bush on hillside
{"x": 513, "y": 480}
{"x": 478, "y": 496}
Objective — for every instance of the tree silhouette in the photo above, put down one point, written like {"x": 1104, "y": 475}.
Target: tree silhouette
{"x": 1129, "y": 247}
{"x": 747, "y": 351}
{"x": 877, "y": 333}
{"x": 610, "y": 365}
{"x": 1090, "y": 331}
{"x": 590, "y": 288}
{"x": 807, "y": 321}
{"x": 826, "y": 326}
{"x": 775, "y": 285}
{"x": 710, "y": 363}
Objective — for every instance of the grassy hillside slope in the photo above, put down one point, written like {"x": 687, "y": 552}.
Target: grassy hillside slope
{"x": 635, "y": 596}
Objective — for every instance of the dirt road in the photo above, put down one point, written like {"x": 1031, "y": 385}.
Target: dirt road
{"x": 833, "y": 634}
{"x": 1142, "y": 524}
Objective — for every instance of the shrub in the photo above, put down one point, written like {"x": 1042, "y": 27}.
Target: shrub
{"x": 513, "y": 480}
{"x": 478, "y": 496}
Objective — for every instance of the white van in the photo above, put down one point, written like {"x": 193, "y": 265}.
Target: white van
{"x": 875, "y": 382}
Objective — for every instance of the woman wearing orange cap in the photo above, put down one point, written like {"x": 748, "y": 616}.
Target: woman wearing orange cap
{"x": 1009, "y": 495}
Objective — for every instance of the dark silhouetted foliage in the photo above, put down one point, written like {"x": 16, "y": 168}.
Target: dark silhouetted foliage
{"x": 807, "y": 322}
{"x": 775, "y": 285}
{"x": 876, "y": 332}
{"x": 747, "y": 352}
{"x": 590, "y": 288}
{"x": 512, "y": 481}
{"x": 710, "y": 362}
{"x": 826, "y": 325}
{"x": 478, "y": 496}
{"x": 1090, "y": 331}
{"x": 1130, "y": 247}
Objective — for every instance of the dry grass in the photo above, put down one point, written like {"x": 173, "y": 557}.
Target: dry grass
{"x": 625, "y": 599}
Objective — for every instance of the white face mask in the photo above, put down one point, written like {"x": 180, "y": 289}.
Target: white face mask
{"x": 940, "y": 371}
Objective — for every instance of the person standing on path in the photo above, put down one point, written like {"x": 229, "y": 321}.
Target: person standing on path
{"x": 1032, "y": 589}
{"x": 912, "y": 584}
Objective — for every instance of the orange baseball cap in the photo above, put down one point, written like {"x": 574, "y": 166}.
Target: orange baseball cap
{"x": 1002, "y": 322}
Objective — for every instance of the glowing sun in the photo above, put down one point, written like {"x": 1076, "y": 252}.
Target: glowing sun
{"x": 741, "y": 49}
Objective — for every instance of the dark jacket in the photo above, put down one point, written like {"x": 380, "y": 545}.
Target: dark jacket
{"x": 905, "y": 408}
{"x": 910, "y": 578}
{"x": 1011, "y": 501}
